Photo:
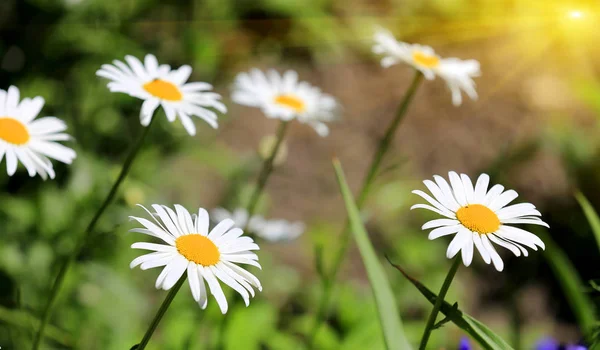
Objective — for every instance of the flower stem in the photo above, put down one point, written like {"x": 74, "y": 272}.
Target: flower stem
{"x": 384, "y": 144}
{"x": 64, "y": 268}
{"x": 266, "y": 170}
{"x": 438, "y": 303}
{"x": 161, "y": 312}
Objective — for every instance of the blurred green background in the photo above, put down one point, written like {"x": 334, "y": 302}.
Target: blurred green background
{"x": 534, "y": 128}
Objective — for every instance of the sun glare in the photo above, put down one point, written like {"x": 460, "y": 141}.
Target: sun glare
{"x": 575, "y": 14}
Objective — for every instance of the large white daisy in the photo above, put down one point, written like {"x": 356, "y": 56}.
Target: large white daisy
{"x": 28, "y": 140}
{"x": 476, "y": 216}
{"x": 458, "y": 74}
{"x": 158, "y": 85}
{"x": 272, "y": 230}
{"x": 206, "y": 256}
{"x": 284, "y": 97}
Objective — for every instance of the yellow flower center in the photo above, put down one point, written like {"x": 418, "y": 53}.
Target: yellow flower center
{"x": 425, "y": 60}
{"x": 198, "y": 248}
{"x": 163, "y": 90}
{"x": 292, "y": 102}
{"x": 13, "y": 131}
{"x": 478, "y": 218}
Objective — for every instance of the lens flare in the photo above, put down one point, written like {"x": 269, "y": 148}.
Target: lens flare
{"x": 575, "y": 14}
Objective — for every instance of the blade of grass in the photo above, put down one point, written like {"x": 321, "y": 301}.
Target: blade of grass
{"x": 477, "y": 330}
{"x": 571, "y": 283}
{"x": 25, "y": 320}
{"x": 590, "y": 214}
{"x": 391, "y": 324}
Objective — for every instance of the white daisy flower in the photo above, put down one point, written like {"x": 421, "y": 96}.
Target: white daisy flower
{"x": 206, "y": 256}
{"x": 158, "y": 85}
{"x": 284, "y": 97}
{"x": 457, "y": 73}
{"x": 239, "y": 216}
{"x": 277, "y": 230}
{"x": 28, "y": 140}
{"x": 476, "y": 216}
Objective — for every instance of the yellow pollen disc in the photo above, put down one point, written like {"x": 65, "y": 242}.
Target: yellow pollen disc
{"x": 425, "y": 60}
{"x": 478, "y": 218}
{"x": 198, "y": 248}
{"x": 13, "y": 131}
{"x": 292, "y": 102}
{"x": 163, "y": 90}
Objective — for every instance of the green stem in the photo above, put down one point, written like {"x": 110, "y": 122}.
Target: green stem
{"x": 384, "y": 145}
{"x": 438, "y": 303}
{"x": 161, "y": 312}
{"x": 64, "y": 268}
{"x": 266, "y": 170}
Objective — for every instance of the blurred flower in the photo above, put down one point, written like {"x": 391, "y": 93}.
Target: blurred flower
{"x": 464, "y": 344}
{"x": 479, "y": 217}
{"x": 29, "y": 141}
{"x": 206, "y": 256}
{"x": 549, "y": 343}
{"x": 284, "y": 97}
{"x": 457, "y": 73}
{"x": 277, "y": 230}
{"x": 159, "y": 85}
{"x": 239, "y": 216}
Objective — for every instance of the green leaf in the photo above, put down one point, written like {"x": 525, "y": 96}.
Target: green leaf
{"x": 477, "y": 330}
{"x": 391, "y": 324}
{"x": 572, "y": 285}
{"x": 590, "y": 214}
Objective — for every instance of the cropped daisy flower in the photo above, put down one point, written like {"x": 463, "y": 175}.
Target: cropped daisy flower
{"x": 28, "y": 140}
{"x": 284, "y": 97}
{"x": 478, "y": 217}
{"x": 276, "y": 230}
{"x": 206, "y": 256}
{"x": 457, "y": 73}
{"x": 158, "y": 85}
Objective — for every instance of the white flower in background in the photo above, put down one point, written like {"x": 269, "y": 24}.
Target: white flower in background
{"x": 158, "y": 85}
{"x": 28, "y": 140}
{"x": 476, "y": 216}
{"x": 239, "y": 216}
{"x": 457, "y": 73}
{"x": 276, "y": 230}
{"x": 284, "y": 97}
{"x": 206, "y": 256}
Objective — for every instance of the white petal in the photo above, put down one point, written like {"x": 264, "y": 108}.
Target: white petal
{"x": 433, "y": 202}
{"x": 202, "y": 222}
{"x": 468, "y": 187}
{"x": 458, "y": 188}
{"x": 429, "y": 207}
{"x": 220, "y": 229}
{"x": 179, "y": 267}
{"x": 153, "y": 246}
{"x": 444, "y": 231}
{"x": 448, "y": 201}
{"x": 481, "y": 188}
{"x": 215, "y": 289}
{"x": 439, "y": 223}
{"x": 467, "y": 250}
{"x": 510, "y": 246}
{"x": 482, "y": 251}
{"x": 503, "y": 200}
{"x": 496, "y": 259}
